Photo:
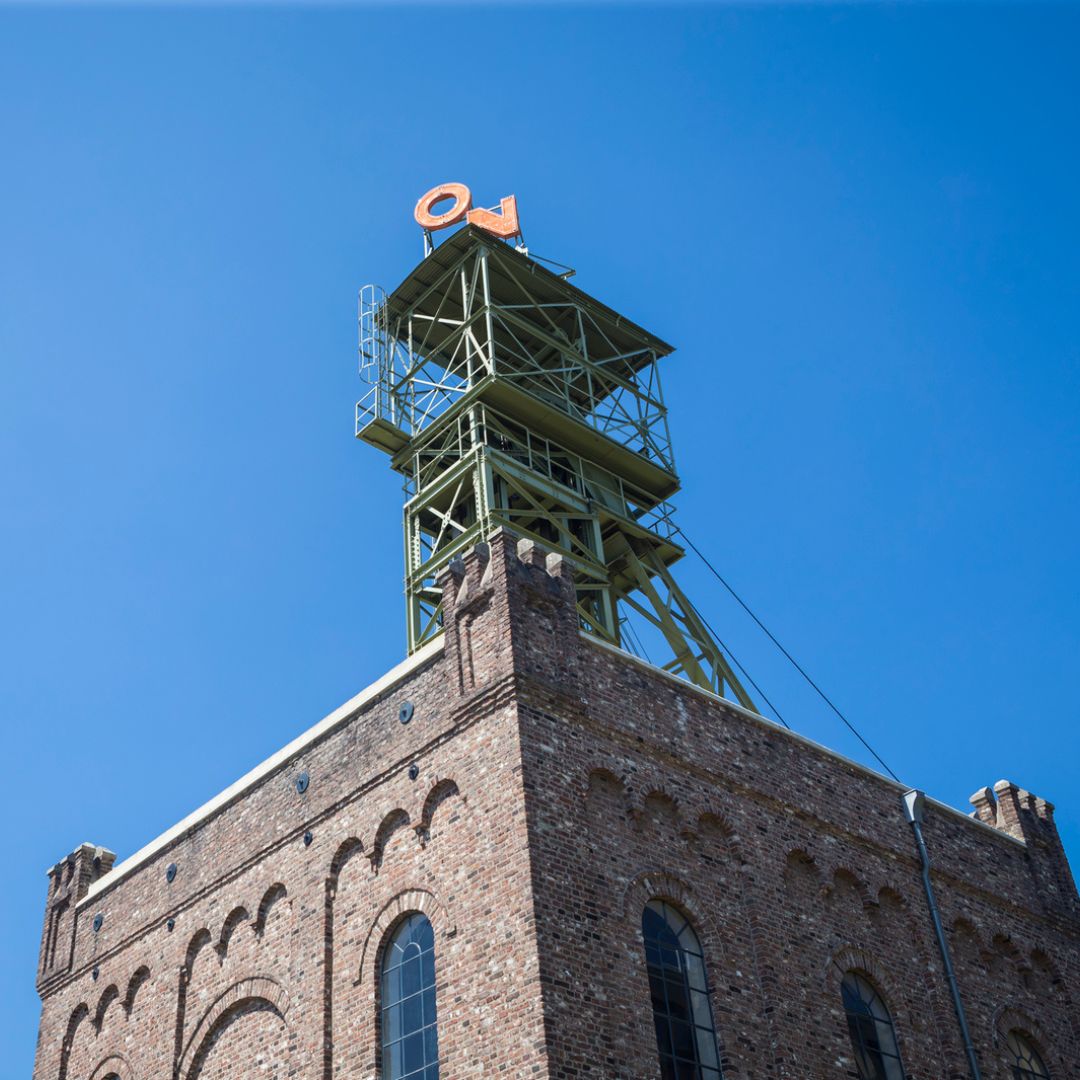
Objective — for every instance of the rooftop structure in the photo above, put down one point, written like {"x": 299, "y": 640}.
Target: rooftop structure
{"x": 505, "y": 396}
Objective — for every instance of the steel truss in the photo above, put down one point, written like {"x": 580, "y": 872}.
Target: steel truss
{"x": 507, "y": 397}
{"x": 482, "y": 318}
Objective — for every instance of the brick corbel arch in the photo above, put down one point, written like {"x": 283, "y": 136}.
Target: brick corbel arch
{"x": 255, "y": 988}
{"x": 393, "y": 911}
{"x": 113, "y": 1065}
{"x": 81, "y": 1013}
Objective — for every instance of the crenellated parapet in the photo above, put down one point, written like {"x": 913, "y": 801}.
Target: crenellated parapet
{"x": 69, "y": 881}
{"x": 1025, "y": 816}
{"x": 510, "y": 611}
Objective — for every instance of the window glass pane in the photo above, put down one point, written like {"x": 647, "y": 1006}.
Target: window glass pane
{"x": 391, "y": 1025}
{"x": 707, "y": 1051}
{"x": 873, "y": 1038}
{"x": 409, "y": 1037}
{"x": 412, "y": 1055}
{"x": 412, "y": 977}
{"x": 886, "y": 1037}
{"x": 678, "y": 999}
{"x": 674, "y": 920}
{"x": 695, "y": 973}
{"x": 702, "y": 1017}
{"x": 1025, "y": 1060}
{"x": 427, "y": 964}
{"x": 428, "y": 998}
{"x": 412, "y": 1013}
{"x": 685, "y": 1036}
{"x": 391, "y": 984}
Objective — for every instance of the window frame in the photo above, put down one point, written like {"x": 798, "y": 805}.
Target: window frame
{"x": 693, "y": 987}
{"x": 1017, "y": 1042}
{"x": 888, "y": 1063}
{"x": 394, "y": 974}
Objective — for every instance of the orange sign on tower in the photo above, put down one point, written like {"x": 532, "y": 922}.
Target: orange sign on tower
{"x": 502, "y": 222}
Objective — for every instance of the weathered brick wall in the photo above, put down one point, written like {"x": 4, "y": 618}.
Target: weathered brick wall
{"x": 260, "y": 957}
{"x": 794, "y": 865}
{"x": 559, "y": 786}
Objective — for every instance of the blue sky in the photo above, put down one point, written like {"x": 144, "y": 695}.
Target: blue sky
{"x": 858, "y": 224}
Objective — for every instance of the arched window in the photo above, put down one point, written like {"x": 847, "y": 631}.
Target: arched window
{"x": 685, "y": 1035}
{"x": 1024, "y": 1058}
{"x": 872, "y": 1036}
{"x": 410, "y": 1040}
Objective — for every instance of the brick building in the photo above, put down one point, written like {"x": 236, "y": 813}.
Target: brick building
{"x": 525, "y": 852}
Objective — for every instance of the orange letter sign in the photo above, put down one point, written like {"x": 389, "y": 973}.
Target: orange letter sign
{"x": 462, "y": 202}
{"x": 504, "y": 224}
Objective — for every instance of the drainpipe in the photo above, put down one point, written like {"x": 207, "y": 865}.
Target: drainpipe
{"x": 913, "y": 809}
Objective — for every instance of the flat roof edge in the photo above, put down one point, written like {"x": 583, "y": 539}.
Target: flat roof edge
{"x": 249, "y": 780}
{"x": 772, "y": 725}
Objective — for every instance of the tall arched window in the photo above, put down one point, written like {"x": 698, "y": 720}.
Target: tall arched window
{"x": 685, "y": 1035}
{"x": 1024, "y": 1058}
{"x": 870, "y": 1025}
{"x": 410, "y": 1039}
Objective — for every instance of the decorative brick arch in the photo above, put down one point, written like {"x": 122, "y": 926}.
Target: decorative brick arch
{"x": 657, "y": 792}
{"x": 113, "y": 1065}
{"x": 404, "y": 903}
{"x": 603, "y": 791}
{"x": 893, "y": 894}
{"x": 715, "y": 822}
{"x": 232, "y": 923}
{"x": 802, "y": 872}
{"x": 200, "y": 940}
{"x": 256, "y": 988}
{"x": 606, "y": 774}
{"x": 660, "y": 884}
{"x": 391, "y": 824}
{"x": 858, "y": 958}
{"x": 444, "y": 790}
{"x": 81, "y": 1013}
{"x": 851, "y": 957}
{"x": 109, "y": 996}
{"x": 842, "y": 874}
{"x": 274, "y": 895}
{"x": 137, "y": 981}
{"x": 1009, "y": 1016}
{"x": 345, "y": 852}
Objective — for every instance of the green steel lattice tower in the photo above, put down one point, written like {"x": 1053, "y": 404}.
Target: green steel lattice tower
{"x": 505, "y": 396}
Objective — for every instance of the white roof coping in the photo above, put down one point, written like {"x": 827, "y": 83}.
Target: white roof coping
{"x": 788, "y": 733}
{"x": 275, "y": 761}
{"x": 395, "y": 675}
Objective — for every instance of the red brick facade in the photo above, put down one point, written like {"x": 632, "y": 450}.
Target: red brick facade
{"x": 543, "y": 790}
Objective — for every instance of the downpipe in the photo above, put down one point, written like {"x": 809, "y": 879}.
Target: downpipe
{"x": 913, "y": 801}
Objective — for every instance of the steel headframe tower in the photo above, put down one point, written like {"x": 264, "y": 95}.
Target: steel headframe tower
{"x": 505, "y": 396}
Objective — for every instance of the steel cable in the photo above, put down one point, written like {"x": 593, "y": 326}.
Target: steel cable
{"x": 791, "y": 659}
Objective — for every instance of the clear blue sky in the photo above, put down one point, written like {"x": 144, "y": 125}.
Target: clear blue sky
{"x": 858, "y": 224}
